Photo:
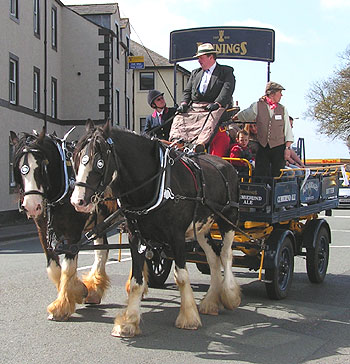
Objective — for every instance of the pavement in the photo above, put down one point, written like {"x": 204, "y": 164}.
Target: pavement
{"x": 18, "y": 231}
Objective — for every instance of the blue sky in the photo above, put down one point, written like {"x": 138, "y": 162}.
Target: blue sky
{"x": 310, "y": 37}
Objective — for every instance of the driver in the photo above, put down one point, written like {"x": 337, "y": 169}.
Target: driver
{"x": 209, "y": 89}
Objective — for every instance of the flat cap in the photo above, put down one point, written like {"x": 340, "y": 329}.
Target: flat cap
{"x": 273, "y": 87}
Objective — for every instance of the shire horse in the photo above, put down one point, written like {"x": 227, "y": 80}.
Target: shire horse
{"x": 41, "y": 171}
{"x": 167, "y": 200}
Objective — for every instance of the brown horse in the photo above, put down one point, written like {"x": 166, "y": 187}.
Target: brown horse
{"x": 41, "y": 171}
{"x": 166, "y": 203}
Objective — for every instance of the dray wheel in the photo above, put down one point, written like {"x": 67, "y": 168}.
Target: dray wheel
{"x": 158, "y": 269}
{"x": 281, "y": 275}
{"x": 317, "y": 257}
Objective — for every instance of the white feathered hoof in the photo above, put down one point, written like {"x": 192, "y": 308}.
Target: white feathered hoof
{"x": 188, "y": 321}
{"x": 126, "y": 326}
{"x": 231, "y": 298}
{"x": 208, "y": 307}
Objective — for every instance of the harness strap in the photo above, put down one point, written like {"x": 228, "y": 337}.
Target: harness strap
{"x": 33, "y": 192}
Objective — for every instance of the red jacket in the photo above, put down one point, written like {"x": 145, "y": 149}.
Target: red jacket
{"x": 239, "y": 152}
{"x": 220, "y": 145}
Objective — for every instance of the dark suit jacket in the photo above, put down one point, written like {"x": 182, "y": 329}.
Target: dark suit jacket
{"x": 152, "y": 122}
{"x": 220, "y": 88}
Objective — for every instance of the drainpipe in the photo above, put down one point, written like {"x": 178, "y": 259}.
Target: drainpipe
{"x": 45, "y": 69}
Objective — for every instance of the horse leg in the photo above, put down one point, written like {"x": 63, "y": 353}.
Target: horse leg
{"x": 97, "y": 280}
{"x": 188, "y": 317}
{"x": 230, "y": 294}
{"x": 127, "y": 324}
{"x": 53, "y": 262}
{"x": 211, "y": 303}
{"x": 71, "y": 291}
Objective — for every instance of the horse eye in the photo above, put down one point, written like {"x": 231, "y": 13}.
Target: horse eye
{"x": 100, "y": 163}
{"x": 85, "y": 159}
{"x": 24, "y": 169}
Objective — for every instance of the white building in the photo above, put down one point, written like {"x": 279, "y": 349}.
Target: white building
{"x": 158, "y": 74}
{"x": 59, "y": 65}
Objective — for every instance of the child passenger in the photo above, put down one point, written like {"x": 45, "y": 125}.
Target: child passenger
{"x": 241, "y": 150}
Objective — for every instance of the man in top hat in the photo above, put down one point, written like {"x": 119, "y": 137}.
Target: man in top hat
{"x": 209, "y": 90}
{"x": 159, "y": 123}
{"x": 274, "y": 132}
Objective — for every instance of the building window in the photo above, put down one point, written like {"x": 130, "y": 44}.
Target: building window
{"x": 127, "y": 113}
{"x": 54, "y": 28}
{"x": 53, "y": 98}
{"x": 117, "y": 107}
{"x": 146, "y": 80}
{"x": 36, "y": 90}
{"x": 14, "y": 9}
{"x": 12, "y": 182}
{"x": 142, "y": 124}
{"x": 36, "y": 17}
{"x": 13, "y": 80}
{"x": 127, "y": 46}
{"x": 117, "y": 41}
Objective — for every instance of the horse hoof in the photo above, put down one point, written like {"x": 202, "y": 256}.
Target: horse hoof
{"x": 92, "y": 299}
{"x": 125, "y": 331}
{"x": 51, "y": 317}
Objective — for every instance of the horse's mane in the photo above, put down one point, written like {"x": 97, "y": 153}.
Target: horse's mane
{"x": 97, "y": 133}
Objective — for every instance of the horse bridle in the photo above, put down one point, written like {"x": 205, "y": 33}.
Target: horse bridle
{"x": 102, "y": 168}
{"x": 24, "y": 170}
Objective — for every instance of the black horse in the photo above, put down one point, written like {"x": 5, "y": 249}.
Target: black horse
{"x": 41, "y": 172}
{"x": 166, "y": 200}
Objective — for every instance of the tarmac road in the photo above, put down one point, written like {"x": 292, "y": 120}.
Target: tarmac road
{"x": 311, "y": 326}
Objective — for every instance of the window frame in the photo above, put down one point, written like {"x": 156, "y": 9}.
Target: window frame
{"x": 13, "y": 82}
{"x": 142, "y": 124}
{"x": 12, "y": 182}
{"x": 117, "y": 36}
{"x": 127, "y": 112}
{"x": 53, "y": 98}
{"x": 117, "y": 106}
{"x": 14, "y": 11}
{"x": 36, "y": 89}
{"x": 54, "y": 28}
{"x": 36, "y": 18}
{"x": 153, "y": 81}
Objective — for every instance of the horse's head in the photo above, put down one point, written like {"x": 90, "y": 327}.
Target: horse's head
{"x": 30, "y": 171}
{"x": 94, "y": 164}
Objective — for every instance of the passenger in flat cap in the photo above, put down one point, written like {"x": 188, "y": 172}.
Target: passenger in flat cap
{"x": 274, "y": 133}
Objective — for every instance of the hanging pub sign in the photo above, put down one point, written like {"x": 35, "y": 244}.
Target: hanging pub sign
{"x": 257, "y": 44}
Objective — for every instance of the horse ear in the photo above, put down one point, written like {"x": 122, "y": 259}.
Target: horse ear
{"x": 107, "y": 128}
{"x": 42, "y": 135}
{"x": 89, "y": 126}
{"x": 14, "y": 138}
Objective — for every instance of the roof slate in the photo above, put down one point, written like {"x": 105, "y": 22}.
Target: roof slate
{"x": 138, "y": 50}
{"x": 94, "y": 9}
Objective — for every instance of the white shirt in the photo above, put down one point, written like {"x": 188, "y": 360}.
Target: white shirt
{"x": 206, "y": 79}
